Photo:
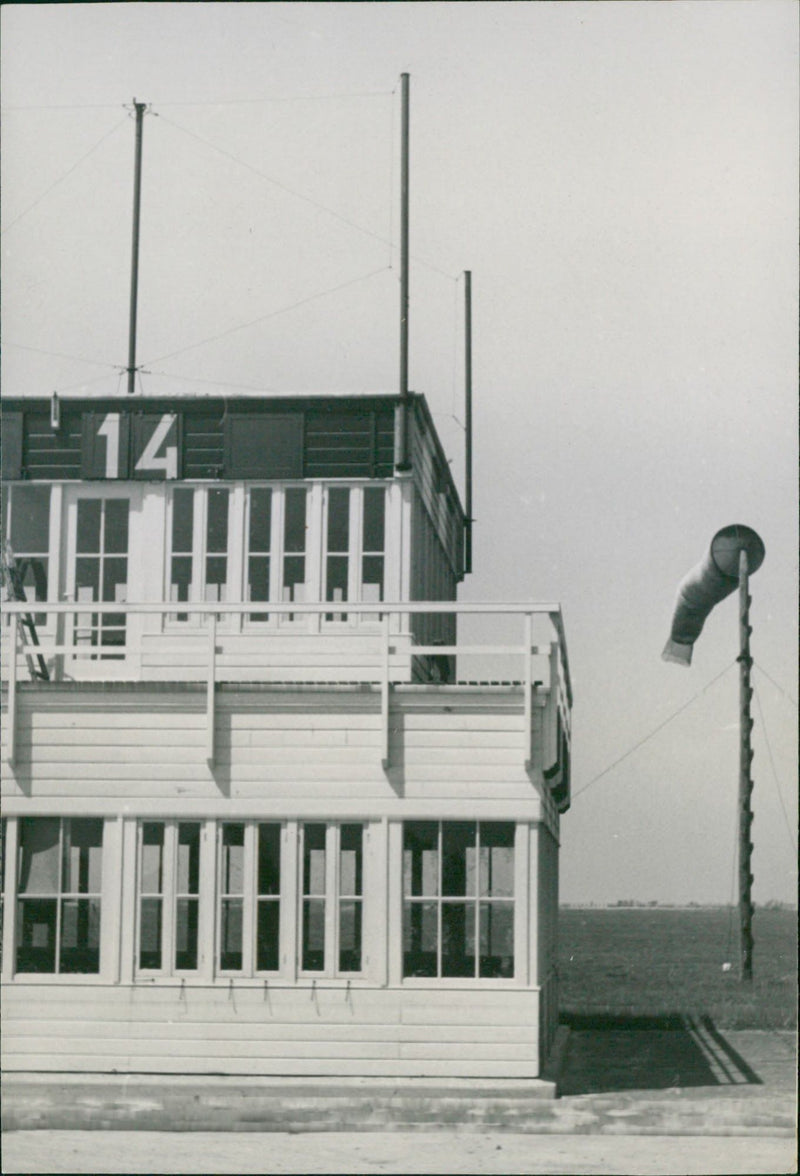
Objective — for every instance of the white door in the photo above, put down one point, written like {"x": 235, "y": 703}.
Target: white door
{"x": 102, "y": 564}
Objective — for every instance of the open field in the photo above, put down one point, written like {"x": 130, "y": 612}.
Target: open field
{"x": 659, "y": 962}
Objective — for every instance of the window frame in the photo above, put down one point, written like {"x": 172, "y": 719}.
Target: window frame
{"x": 333, "y": 898}
{"x": 250, "y": 899}
{"x": 355, "y": 554}
{"x": 199, "y": 553}
{"x": 59, "y": 896}
{"x": 516, "y": 902}
{"x": 169, "y": 895}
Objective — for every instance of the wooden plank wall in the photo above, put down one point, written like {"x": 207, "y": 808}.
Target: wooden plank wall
{"x": 259, "y": 1028}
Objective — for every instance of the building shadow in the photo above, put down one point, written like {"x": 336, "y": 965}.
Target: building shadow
{"x": 608, "y": 1054}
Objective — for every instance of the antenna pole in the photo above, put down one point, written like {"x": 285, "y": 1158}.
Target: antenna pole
{"x": 137, "y": 191}
{"x": 468, "y": 417}
{"x": 404, "y": 461}
{"x": 745, "y": 777}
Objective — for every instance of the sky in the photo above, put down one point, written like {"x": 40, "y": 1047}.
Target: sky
{"x": 621, "y": 181}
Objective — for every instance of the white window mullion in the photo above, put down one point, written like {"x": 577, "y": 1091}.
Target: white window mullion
{"x": 291, "y": 900}
{"x": 169, "y": 886}
{"x": 332, "y": 900}
{"x": 197, "y": 590}
{"x": 10, "y": 897}
{"x": 237, "y": 570}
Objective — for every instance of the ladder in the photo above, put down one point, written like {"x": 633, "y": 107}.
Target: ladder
{"x": 11, "y": 577}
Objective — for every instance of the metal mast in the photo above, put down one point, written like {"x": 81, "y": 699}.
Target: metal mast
{"x": 745, "y": 776}
{"x": 468, "y": 417}
{"x": 404, "y": 460}
{"x": 139, "y": 107}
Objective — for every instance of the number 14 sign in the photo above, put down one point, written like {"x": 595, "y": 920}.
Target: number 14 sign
{"x": 145, "y": 446}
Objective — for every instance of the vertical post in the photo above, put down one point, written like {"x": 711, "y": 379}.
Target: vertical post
{"x": 11, "y": 745}
{"x": 527, "y": 686}
{"x": 468, "y": 417}
{"x": 404, "y": 462}
{"x": 210, "y": 689}
{"x": 137, "y": 191}
{"x": 385, "y": 638}
{"x": 745, "y": 778}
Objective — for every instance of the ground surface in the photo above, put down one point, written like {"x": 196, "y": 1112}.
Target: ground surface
{"x": 646, "y": 962}
{"x": 454, "y": 1152}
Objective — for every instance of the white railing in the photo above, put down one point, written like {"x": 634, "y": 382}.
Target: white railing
{"x": 391, "y": 630}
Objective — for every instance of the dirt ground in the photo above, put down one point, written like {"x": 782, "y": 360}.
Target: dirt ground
{"x": 151, "y": 1152}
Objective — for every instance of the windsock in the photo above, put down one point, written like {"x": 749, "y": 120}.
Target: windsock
{"x": 714, "y": 578}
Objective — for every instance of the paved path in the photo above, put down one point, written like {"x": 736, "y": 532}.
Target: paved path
{"x": 142, "y": 1152}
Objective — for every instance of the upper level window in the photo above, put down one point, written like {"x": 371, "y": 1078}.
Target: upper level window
{"x": 59, "y": 884}
{"x": 277, "y": 530}
{"x": 199, "y": 537}
{"x": 355, "y": 538}
{"x": 458, "y": 898}
{"x": 26, "y": 528}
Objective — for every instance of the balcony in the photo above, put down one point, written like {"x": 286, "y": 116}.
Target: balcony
{"x": 374, "y": 648}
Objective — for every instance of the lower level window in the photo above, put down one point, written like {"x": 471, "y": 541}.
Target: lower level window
{"x": 58, "y": 886}
{"x": 332, "y": 897}
{"x": 249, "y": 897}
{"x": 169, "y": 895}
{"x": 458, "y": 898}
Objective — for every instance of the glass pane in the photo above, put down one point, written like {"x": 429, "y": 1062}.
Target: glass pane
{"x": 497, "y": 939}
{"x": 338, "y": 520}
{"x": 458, "y": 939}
{"x": 182, "y": 520}
{"x": 87, "y": 578}
{"x": 336, "y": 573}
{"x": 372, "y": 578}
{"x": 189, "y": 857}
{"x": 497, "y": 859}
{"x": 230, "y": 956}
{"x": 115, "y": 578}
{"x": 294, "y": 523}
{"x": 83, "y": 856}
{"x": 80, "y": 935}
{"x": 314, "y": 859}
{"x": 150, "y": 933}
{"x": 350, "y": 937}
{"x": 269, "y": 859}
{"x": 267, "y": 944}
{"x": 233, "y": 859}
{"x": 458, "y": 857}
{"x": 294, "y": 577}
{"x": 217, "y": 521}
{"x": 216, "y": 577}
{"x": 115, "y": 534}
{"x": 258, "y": 579}
{"x": 181, "y": 577}
{"x": 313, "y": 934}
{"x": 30, "y": 519}
{"x": 36, "y": 935}
{"x": 186, "y": 935}
{"x": 420, "y": 938}
{"x": 38, "y": 855}
{"x": 88, "y": 536}
{"x": 350, "y": 859}
{"x": 33, "y": 572}
{"x": 374, "y": 519}
{"x": 152, "y": 857}
{"x": 260, "y": 528}
{"x": 421, "y": 858}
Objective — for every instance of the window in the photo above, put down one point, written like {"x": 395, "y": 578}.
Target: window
{"x": 355, "y": 526}
{"x": 58, "y": 886}
{"x": 458, "y": 898}
{"x": 169, "y": 896}
{"x": 199, "y": 533}
{"x": 249, "y": 895}
{"x": 28, "y": 533}
{"x": 332, "y": 898}
{"x": 101, "y": 568}
{"x": 277, "y": 530}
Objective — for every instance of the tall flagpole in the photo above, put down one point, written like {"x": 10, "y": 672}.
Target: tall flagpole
{"x": 137, "y": 192}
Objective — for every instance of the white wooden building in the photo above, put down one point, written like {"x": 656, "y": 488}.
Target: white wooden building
{"x": 263, "y": 811}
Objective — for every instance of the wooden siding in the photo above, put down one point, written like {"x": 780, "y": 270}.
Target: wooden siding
{"x": 284, "y": 747}
{"x": 249, "y": 1027}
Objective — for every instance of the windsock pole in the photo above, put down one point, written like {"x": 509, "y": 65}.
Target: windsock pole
{"x": 745, "y": 777}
